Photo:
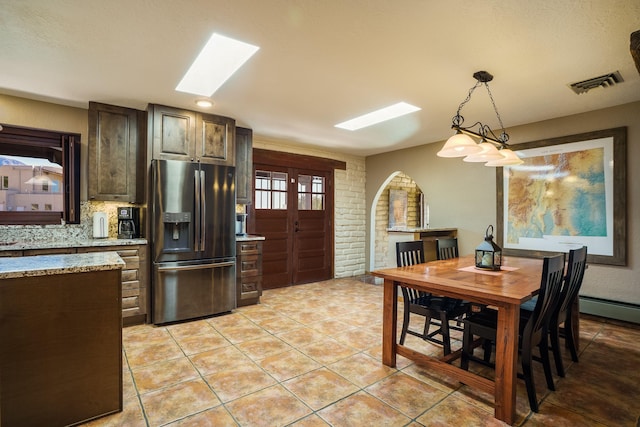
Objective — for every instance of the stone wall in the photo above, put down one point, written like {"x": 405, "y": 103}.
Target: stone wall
{"x": 400, "y": 182}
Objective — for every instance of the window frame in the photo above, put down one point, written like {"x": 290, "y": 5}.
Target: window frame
{"x": 64, "y": 147}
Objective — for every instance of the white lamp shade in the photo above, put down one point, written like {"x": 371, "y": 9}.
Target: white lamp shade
{"x": 489, "y": 152}
{"x": 509, "y": 158}
{"x": 459, "y": 145}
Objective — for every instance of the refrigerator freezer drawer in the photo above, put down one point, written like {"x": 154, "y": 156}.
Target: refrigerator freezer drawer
{"x": 189, "y": 290}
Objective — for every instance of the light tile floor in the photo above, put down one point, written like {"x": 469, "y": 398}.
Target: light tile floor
{"x": 310, "y": 355}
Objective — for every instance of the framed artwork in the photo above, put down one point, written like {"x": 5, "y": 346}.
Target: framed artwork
{"x": 569, "y": 192}
{"x": 397, "y": 209}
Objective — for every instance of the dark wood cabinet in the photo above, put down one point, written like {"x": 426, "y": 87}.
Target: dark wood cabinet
{"x": 61, "y": 351}
{"x": 116, "y": 153}
{"x": 134, "y": 280}
{"x": 248, "y": 272}
{"x": 244, "y": 165}
{"x": 178, "y": 134}
{"x": 215, "y": 139}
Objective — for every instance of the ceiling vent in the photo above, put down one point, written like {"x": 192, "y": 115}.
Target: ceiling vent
{"x": 602, "y": 81}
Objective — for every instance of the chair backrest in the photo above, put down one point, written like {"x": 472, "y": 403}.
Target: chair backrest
{"x": 573, "y": 280}
{"x": 409, "y": 253}
{"x": 549, "y": 296}
{"x": 447, "y": 248}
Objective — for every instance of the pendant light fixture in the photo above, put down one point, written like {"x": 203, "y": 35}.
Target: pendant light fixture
{"x": 491, "y": 149}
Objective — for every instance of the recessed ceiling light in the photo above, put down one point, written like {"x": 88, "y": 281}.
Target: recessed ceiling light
{"x": 381, "y": 115}
{"x": 216, "y": 62}
{"x": 204, "y": 103}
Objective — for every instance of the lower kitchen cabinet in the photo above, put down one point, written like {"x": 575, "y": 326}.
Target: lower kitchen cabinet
{"x": 248, "y": 272}
{"x": 134, "y": 275}
{"x": 134, "y": 280}
{"x": 61, "y": 348}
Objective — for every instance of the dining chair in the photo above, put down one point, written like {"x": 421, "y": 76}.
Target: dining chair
{"x": 564, "y": 314}
{"x": 533, "y": 329}
{"x": 561, "y": 322}
{"x": 447, "y": 248}
{"x": 437, "y": 311}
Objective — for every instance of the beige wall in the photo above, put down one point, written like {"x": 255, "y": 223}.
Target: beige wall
{"x": 463, "y": 195}
{"x": 44, "y": 115}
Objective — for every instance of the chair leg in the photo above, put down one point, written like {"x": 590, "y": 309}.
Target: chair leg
{"x": 405, "y": 322}
{"x": 528, "y": 379}
{"x": 546, "y": 362}
{"x": 554, "y": 335}
{"x": 467, "y": 347}
{"x": 569, "y": 338}
{"x": 487, "y": 346}
{"x": 427, "y": 326}
{"x": 444, "y": 329}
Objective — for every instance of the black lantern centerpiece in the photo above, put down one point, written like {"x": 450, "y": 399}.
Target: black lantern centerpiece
{"x": 488, "y": 254}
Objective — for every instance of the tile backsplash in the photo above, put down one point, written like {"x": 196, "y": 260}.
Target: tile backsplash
{"x": 68, "y": 232}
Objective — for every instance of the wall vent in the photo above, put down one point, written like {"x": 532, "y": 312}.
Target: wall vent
{"x": 602, "y": 81}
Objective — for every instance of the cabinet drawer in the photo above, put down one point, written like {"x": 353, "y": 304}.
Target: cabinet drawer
{"x": 129, "y": 275}
{"x": 131, "y": 263}
{"x": 131, "y": 285}
{"x": 10, "y": 253}
{"x": 128, "y": 253}
{"x": 53, "y": 251}
{"x": 250, "y": 287}
{"x": 130, "y": 302}
{"x": 248, "y": 248}
{"x": 250, "y": 265}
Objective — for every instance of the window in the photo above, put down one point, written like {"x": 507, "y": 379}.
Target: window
{"x": 310, "y": 193}
{"x": 39, "y": 176}
{"x": 271, "y": 190}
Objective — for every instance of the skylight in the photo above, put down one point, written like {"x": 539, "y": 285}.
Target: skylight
{"x": 217, "y": 61}
{"x": 381, "y": 115}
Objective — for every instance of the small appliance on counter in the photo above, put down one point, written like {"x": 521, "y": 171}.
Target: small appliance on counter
{"x": 128, "y": 222}
{"x": 241, "y": 224}
{"x": 100, "y": 225}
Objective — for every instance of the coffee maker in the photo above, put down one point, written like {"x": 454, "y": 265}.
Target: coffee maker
{"x": 128, "y": 222}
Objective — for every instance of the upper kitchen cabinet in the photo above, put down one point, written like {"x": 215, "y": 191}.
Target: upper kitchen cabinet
{"x": 116, "y": 153}
{"x": 188, "y": 135}
{"x": 244, "y": 165}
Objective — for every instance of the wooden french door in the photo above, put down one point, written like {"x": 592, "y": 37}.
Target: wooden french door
{"x": 293, "y": 210}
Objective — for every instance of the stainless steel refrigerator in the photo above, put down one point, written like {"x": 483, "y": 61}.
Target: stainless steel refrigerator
{"x": 192, "y": 240}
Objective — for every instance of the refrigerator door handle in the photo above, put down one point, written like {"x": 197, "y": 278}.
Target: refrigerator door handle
{"x": 203, "y": 213}
{"x": 198, "y": 208}
{"x": 197, "y": 266}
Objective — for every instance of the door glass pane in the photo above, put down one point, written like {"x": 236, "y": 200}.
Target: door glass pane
{"x": 311, "y": 190}
{"x": 271, "y": 190}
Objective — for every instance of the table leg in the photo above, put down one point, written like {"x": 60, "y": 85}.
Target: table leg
{"x": 389, "y": 323}
{"x": 506, "y": 363}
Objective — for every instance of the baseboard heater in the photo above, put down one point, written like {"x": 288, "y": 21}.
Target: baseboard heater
{"x": 611, "y": 309}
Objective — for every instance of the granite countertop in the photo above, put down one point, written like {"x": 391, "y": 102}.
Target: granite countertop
{"x": 248, "y": 238}
{"x": 44, "y": 265}
{"x": 20, "y": 246}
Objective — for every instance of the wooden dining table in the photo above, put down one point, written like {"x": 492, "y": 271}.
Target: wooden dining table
{"x": 517, "y": 282}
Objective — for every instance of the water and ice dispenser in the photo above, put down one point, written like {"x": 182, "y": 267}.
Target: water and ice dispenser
{"x": 178, "y": 231}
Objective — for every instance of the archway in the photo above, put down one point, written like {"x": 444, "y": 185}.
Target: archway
{"x": 380, "y": 254}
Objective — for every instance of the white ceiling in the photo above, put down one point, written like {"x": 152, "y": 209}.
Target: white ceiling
{"x": 325, "y": 61}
